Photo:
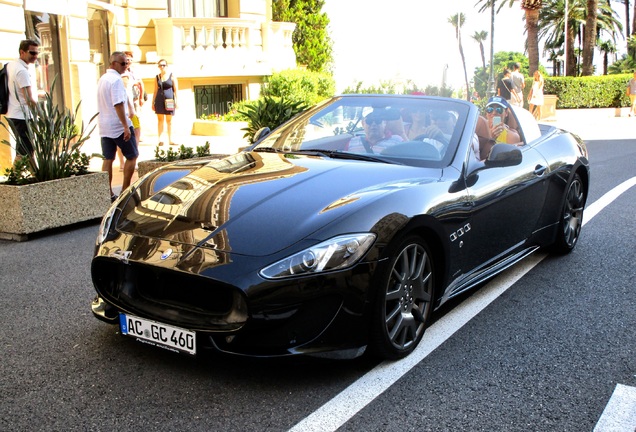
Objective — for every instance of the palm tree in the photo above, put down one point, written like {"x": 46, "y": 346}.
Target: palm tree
{"x": 551, "y": 22}
{"x": 589, "y": 38}
{"x": 480, "y": 37}
{"x": 531, "y": 9}
{"x": 457, "y": 21}
{"x": 606, "y": 47}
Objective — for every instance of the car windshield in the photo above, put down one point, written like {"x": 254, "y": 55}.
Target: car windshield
{"x": 413, "y": 130}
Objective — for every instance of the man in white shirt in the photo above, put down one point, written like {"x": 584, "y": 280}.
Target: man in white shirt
{"x": 22, "y": 95}
{"x": 115, "y": 126}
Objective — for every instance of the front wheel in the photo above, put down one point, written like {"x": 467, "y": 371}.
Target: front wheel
{"x": 571, "y": 217}
{"x": 404, "y": 299}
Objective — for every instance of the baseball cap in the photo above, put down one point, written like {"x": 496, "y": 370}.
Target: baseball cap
{"x": 497, "y": 100}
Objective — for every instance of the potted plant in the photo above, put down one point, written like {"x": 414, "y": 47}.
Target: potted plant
{"x": 229, "y": 124}
{"x": 53, "y": 187}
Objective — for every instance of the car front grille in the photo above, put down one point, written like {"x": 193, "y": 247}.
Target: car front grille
{"x": 168, "y": 295}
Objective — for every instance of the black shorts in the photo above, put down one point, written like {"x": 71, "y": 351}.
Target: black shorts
{"x": 23, "y": 145}
{"x": 128, "y": 148}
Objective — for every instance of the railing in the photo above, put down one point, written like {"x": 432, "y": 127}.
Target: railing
{"x": 224, "y": 42}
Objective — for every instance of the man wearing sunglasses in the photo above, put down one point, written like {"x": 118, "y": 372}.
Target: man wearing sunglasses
{"x": 115, "y": 125}
{"x": 22, "y": 95}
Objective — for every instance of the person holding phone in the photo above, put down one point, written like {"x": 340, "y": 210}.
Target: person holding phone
{"x": 498, "y": 118}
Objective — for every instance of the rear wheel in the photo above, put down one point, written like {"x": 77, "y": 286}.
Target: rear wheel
{"x": 571, "y": 217}
{"x": 404, "y": 297}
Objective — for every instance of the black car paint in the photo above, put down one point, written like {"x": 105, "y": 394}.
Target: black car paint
{"x": 474, "y": 227}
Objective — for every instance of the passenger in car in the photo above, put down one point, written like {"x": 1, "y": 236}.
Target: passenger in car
{"x": 375, "y": 138}
{"x": 420, "y": 122}
{"x": 501, "y": 123}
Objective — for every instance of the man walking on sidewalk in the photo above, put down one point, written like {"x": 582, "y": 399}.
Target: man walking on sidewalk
{"x": 115, "y": 126}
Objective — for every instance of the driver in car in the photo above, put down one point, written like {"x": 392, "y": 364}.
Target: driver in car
{"x": 375, "y": 135}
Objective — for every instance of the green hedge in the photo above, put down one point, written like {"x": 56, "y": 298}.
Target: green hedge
{"x": 587, "y": 92}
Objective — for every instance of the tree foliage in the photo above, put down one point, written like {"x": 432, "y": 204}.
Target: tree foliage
{"x": 312, "y": 44}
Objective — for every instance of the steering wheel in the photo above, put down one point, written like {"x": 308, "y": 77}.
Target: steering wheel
{"x": 422, "y": 137}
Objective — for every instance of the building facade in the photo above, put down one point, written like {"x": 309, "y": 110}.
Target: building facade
{"x": 220, "y": 50}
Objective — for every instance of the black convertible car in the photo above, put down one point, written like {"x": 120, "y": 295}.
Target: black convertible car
{"x": 340, "y": 231}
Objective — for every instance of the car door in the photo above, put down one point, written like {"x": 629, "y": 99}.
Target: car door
{"x": 506, "y": 203}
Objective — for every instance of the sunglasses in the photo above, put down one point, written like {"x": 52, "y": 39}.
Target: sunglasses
{"x": 499, "y": 110}
{"x": 163, "y": 65}
{"x": 34, "y": 52}
{"x": 373, "y": 120}
{"x": 121, "y": 63}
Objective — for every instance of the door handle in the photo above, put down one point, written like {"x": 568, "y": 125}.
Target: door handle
{"x": 539, "y": 170}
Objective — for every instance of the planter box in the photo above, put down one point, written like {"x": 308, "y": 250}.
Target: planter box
{"x": 40, "y": 206}
{"x": 218, "y": 128}
{"x": 144, "y": 167}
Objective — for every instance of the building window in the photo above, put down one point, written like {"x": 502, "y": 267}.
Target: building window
{"x": 216, "y": 99}
{"x": 197, "y": 8}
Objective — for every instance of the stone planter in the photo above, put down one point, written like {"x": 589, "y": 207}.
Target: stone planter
{"x": 37, "y": 207}
{"x": 144, "y": 167}
{"x": 218, "y": 128}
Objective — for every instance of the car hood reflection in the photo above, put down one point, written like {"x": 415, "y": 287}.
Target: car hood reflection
{"x": 257, "y": 201}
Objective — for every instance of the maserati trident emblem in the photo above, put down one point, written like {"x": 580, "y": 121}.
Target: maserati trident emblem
{"x": 121, "y": 256}
{"x": 166, "y": 254}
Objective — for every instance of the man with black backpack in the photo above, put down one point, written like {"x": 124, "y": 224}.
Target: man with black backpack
{"x": 19, "y": 78}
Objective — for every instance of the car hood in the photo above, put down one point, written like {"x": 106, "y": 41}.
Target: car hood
{"x": 258, "y": 203}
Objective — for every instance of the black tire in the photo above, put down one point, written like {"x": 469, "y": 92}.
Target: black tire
{"x": 571, "y": 219}
{"x": 403, "y": 301}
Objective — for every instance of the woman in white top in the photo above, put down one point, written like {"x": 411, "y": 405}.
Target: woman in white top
{"x": 535, "y": 97}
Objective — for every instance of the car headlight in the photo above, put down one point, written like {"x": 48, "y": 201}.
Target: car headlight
{"x": 334, "y": 254}
{"x": 107, "y": 220}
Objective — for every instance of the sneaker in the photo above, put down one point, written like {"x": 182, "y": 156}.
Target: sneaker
{"x": 113, "y": 197}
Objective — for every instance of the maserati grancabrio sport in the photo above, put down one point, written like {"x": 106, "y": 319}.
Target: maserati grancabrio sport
{"x": 339, "y": 232}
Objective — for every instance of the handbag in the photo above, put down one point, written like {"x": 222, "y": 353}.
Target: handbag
{"x": 169, "y": 104}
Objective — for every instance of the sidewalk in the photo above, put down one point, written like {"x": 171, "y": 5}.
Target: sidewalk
{"x": 595, "y": 123}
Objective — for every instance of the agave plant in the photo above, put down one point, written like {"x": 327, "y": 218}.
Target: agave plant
{"x": 56, "y": 141}
{"x": 270, "y": 112}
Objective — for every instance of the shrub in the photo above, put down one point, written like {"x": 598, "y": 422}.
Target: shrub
{"x": 590, "y": 91}
{"x": 300, "y": 85}
{"x": 181, "y": 153}
{"x": 269, "y": 112}
{"x": 56, "y": 141}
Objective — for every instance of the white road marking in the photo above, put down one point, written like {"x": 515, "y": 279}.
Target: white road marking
{"x": 620, "y": 413}
{"x": 351, "y": 400}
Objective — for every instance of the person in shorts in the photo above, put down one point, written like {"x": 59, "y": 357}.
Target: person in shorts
{"x": 115, "y": 126}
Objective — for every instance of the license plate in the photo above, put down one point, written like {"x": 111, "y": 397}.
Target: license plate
{"x": 158, "y": 334}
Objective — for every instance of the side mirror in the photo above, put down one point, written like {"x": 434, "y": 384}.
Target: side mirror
{"x": 260, "y": 134}
{"x": 503, "y": 155}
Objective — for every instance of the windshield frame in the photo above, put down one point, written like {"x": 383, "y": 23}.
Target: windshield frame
{"x": 329, "y": 132}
